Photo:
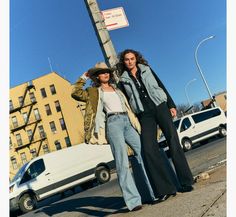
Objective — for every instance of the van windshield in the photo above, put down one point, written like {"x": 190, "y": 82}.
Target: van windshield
{"x": 176, "y": 123}
{"x": 19, "y": 173}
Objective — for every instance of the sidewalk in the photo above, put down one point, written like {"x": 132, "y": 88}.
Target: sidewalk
{"x": 207, "y": 199}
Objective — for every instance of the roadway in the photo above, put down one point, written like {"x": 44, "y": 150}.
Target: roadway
{"x": 106, "y": 199}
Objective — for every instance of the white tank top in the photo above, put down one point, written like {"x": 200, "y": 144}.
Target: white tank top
{"x": 112, "y": 102}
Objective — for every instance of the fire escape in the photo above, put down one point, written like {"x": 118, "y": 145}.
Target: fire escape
{"x": 29, "y": 120}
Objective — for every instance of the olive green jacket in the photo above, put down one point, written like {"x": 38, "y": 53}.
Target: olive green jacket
{"x": 94, "y": 115}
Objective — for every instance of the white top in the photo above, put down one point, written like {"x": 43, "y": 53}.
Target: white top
{"x": 112, "y": 102}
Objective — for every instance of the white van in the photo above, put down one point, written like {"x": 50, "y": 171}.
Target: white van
{"x": 59, "y": 171}
{"x": 198, "y": 126}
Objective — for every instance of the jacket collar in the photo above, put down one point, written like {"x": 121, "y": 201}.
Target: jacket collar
{"x": 143, "y": 68}
{"x": 125, "y": 76}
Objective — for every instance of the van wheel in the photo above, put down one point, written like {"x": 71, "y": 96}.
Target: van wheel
{"x": 187, "y": 144}
{"x": 27, "y": 203}
{"x": 222, "y": 131}
{"x": 102, "y": 174}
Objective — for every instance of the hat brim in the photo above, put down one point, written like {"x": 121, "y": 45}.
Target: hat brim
{"x": 95, "y": 71}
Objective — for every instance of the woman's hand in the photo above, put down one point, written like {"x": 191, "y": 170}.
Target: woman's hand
{"x": 86, "y": 74}
{"x": 173, "y": 112}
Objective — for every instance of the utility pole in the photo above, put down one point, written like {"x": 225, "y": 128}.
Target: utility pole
{"x": 103, "y": 36}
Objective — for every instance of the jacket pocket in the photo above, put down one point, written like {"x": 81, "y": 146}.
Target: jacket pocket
{"x": 157, "y": 93}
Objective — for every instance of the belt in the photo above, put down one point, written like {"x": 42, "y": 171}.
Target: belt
{"x": 116, "y": 113}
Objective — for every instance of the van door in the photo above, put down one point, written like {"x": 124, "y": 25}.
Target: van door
{"x": 186, "y": 129}
{"x": 35, "y": 177}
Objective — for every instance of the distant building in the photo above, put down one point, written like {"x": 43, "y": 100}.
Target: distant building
{"x": 220, "y": 99}
{"x": 43, "y": 118}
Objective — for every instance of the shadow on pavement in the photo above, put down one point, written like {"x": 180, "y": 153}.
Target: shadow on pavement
{"x": 88, "y": 205}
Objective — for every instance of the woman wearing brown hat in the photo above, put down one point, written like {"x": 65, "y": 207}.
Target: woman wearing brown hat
{"x": 108, "y": 117}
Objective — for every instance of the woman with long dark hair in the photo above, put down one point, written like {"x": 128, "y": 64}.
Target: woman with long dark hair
{"x": 153, "y": 105}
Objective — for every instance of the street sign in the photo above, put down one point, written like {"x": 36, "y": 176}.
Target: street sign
{"x": 115, "y": 18}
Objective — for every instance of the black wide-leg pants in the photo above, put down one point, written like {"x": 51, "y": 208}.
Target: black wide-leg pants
{"x": 155, "y": 163}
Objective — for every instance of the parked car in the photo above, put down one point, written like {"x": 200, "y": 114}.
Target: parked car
{"x": 198, "y": 127}
{"x": 58, "y": 171}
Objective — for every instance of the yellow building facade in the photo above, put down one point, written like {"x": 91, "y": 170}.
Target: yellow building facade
{"x": 43, "y": 118}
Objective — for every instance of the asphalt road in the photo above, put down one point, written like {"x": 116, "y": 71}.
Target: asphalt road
{"x": 106, "y": 199}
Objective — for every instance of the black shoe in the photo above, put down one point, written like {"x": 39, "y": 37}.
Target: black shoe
{"x": 162, "y": 198}
{"x": 136, "y": 208}
{"x": 166, "y": 196}
{"x": 186, "y": 188}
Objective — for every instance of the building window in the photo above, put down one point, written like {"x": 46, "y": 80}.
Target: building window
{"x": 19, "y": 140}
{"x": 63, "y": 125}
{"x": 57, "y": 144}
{"x": 23, "y": 158}
{"x": 25, "y": 117}
{"x": 53, "y": 127}
{"x": 32, "y": 97}
{"x": 45, "y": 149}
{"x": 14, "y": 163}
{"x": 43, "y": 92}
{"x": 11, "y": 105}
{"x": 57, "y": 105}
{"x": 36, "y": 114}
{"x": 30, "y": 134}
{"x": 67, "y": 140}
{"x": 33, "y": 152}
{"x": 21, "y": 100}
{"x": 10, "y": 143}
{"x": 53, "y": 89}
{"x": 14, "y": 121}
{"x": 48, "y": 110}
{"x": 225, "y": 97}
{"x": 41, "y": 132}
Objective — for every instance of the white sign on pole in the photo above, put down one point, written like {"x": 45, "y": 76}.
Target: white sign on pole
{"x": 115, "y": 18}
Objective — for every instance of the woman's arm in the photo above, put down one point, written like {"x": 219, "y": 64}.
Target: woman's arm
{"x": 170, "y": 101}
{"x": 77, "y": 92}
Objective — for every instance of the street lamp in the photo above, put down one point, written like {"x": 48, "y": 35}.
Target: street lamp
{"x": 186, "y": 91}
{"x": 199, "y": 68}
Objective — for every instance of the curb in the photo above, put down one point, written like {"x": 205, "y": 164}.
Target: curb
{"x": 205, "y": 174}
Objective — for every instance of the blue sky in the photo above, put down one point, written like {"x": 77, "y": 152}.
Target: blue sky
{"x": 165, "y": 32}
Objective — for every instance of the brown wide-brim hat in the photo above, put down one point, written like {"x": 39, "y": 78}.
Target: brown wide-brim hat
{"x": 99, "y": 68}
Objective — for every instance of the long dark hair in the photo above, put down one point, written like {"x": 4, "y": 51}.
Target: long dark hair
{"x": 121, "y": 65}
{"x": 96, "y": 83}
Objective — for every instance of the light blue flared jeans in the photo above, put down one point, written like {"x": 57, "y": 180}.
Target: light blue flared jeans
{"x": 120, "y": 133}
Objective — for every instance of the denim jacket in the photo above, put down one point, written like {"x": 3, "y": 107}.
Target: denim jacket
{"x": 153, "y": 85}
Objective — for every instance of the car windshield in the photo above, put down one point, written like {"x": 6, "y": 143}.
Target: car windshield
{"x": 177, "y": 123}
{"x": 19, "y": 173}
